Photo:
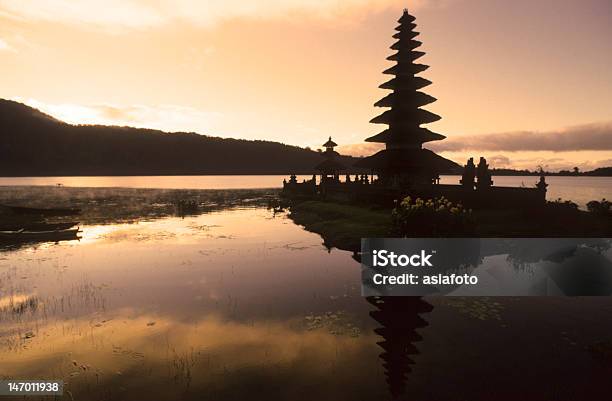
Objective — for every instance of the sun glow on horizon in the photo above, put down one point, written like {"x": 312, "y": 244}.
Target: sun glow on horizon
{"x": 297, "y": 72}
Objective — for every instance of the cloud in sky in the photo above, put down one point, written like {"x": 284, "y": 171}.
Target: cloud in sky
{"x": 549, "y": 161}
{"x": 170, "y": 118}
{"x": 360, "y": 149}
{"x": 499, "y": 161}
{"x": 586, "y": 146}
{"x": 597, "y": 136}
{"x": 108, "y": 14}
{"x": 4, "y": 46}
{"x": 587, "y": 137}
{"x": 548, "y": 164}
{"x": 117, "y": 16}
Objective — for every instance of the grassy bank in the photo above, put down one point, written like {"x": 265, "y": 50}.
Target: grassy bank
{"x": 341, "y": 226}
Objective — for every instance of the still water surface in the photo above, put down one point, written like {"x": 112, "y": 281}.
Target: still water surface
{"x": 244, "y": 304}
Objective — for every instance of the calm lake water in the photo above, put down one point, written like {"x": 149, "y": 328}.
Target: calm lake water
{"x": 241, "y": 303}
{"x": 577, "y": 189}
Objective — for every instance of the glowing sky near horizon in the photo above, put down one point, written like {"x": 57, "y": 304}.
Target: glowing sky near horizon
{"x": 297, "y": 71}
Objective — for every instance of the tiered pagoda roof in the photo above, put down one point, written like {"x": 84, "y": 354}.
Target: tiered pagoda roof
{"x": 330, "y": 144}
{"x": 330, "y": 165}
{"x": 405, "y": 136}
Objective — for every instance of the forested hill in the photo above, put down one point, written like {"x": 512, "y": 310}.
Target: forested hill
{"x": 35, "y": 144}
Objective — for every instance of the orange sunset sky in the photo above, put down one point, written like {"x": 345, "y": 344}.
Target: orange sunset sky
{"x": 524, "y": 83}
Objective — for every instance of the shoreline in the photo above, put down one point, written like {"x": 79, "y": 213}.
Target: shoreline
{"x": 112, "y": 205}
{"x": 342, "y": 226}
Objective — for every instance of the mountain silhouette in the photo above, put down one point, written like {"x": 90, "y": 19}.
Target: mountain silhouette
{"x": 35, "y": 144}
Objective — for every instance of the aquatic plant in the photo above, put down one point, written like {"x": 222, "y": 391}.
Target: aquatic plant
{"x": 431, "y": 217}
{"x": 601, "y": 351}
{"x": 559, "y": 208}
{"x": 600, "y": 208}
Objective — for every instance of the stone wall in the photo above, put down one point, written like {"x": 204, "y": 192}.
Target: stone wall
{"x": 376, "y": 194}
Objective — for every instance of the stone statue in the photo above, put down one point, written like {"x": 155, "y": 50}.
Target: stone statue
{"x": 483, "y": 175}
{"x": 542, "y": 185}
{"x": 469, "y": 174}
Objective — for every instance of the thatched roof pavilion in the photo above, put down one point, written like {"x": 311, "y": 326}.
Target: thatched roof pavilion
{"x": 330, "y": 166}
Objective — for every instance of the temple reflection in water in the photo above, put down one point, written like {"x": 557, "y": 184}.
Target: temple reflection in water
{"x": 400, "y": 318}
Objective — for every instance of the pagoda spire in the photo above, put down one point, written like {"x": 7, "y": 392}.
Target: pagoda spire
{"x": 406, "y": 116}
{"x": 404, "y": 161}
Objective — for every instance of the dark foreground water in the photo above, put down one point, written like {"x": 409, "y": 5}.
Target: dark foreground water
{"x": 242, "y": 304}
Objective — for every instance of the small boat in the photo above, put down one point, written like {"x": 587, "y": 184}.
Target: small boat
{"x": 43, "y": 212}
{"x": 37, "y": 226}
{"x": 23, "y": 235}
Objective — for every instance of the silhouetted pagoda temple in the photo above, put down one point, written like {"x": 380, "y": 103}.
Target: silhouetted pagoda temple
{"x": 404, "y": 167}
{"x": 404, "y": 162}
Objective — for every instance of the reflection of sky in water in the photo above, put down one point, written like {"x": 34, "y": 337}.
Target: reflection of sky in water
{"x": 241, "y": 305}
{"x": 202, "y": 303}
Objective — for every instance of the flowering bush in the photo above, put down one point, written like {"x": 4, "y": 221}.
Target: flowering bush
{"x": 431, "y": 217}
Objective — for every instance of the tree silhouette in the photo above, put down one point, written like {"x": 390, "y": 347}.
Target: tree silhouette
{"x": 33, "y": 143}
